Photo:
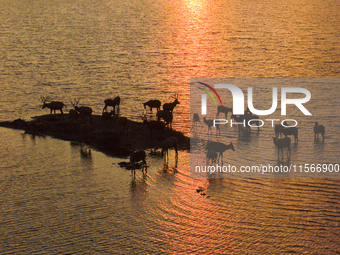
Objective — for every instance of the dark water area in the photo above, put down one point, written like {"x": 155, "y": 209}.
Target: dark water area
{"x": 58, "y": 197}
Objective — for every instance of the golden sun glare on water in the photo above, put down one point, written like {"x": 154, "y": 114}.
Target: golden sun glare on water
{"x": 195, "y": 7}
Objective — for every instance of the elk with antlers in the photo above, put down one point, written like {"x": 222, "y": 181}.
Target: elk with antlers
{"x": 54, "y": 105}
{"x": 170, "y": 106}
{"x": 84, "y": 111}
{"x": 112, "y": 102}
{"x": 153, "y": 104}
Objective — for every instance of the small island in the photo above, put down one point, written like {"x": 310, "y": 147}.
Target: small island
{"x": 107, "y": 134}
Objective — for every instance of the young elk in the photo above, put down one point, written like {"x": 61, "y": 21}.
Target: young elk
{"x": 112, "y": 102}
{"x": 219, "y": 148}
{"x": 54, "y": 105}
{"x": 153, "y": 104}
{"x": 136, "y": 157}
{"x": 170, "y": 106}
{"x": 167, "y": 144}
{"x": 84, "y": 111}
{"x": 211, "y": 156}
{"x": 224, "y": 110}
{"x": 319, "y": 129}
{"x": 281, "y": 144}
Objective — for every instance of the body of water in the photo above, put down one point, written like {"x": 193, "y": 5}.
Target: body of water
{"x": 60, "y": 197}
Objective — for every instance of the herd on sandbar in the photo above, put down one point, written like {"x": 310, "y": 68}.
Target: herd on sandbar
{"x": 164, "y": 119}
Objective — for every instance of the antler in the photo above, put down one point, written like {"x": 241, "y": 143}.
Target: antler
{"x": 44, "y": 99}
{"x": 75, "y": 103}
{"x": 175, "y": 96}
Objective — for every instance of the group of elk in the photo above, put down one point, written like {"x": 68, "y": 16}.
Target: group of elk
{"x": 84, "y": 113}
{"x": 286, "y": 141}
{"x": 280, "y": 130}
{"x": 86, "y": 129}
{"x": 166, "y": 114}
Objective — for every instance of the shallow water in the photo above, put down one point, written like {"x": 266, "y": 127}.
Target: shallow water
{"x": 56, "y": 197}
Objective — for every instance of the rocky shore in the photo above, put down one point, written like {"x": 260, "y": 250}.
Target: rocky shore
{"x": 107, "y": 135}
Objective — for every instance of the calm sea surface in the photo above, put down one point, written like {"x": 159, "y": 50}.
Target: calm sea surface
{"x": 56, "y": 197}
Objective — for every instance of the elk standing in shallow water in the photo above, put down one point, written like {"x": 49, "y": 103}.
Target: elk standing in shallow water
{"x": 136, "y": 157}
{"x": 278, "y": 130}
{"x": 167, "y": 144}
{"x": 196, "y": 118}
{"x": 319, "y": 129}
{"x": 281, "y": 144}
{"x": 54, "y": 105}
{"x": 210, "y": 123}
{"x": 290, "y": 131}
{"x": 211, "y": 157}
{"x": 153, "y": 104}
{"x": 223, "y": 109}
{"x": 219, "y": 148}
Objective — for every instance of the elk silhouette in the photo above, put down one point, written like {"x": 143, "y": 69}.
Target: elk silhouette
{"x": 219, "y": 148}
{"x": 53, "y": 106}
{"x": 278, "y": 130}
{"x": 224, "y": 110}
{"x": 153, "y": 104}
{"x": 170, "y": 106}
{"x": 136, "y": 157}
{"x": 290, "y": 131}
{"x": 210, "y": 123}
{"x": 281, "y": 144}
{"x": 166, "y": 116}
{"x": 211, "y": 156}
{"x": 167, "y": 144}
{"x": 319, "y": 129}
{"x": 112, "y": 102}
{"x": 84, "y": 111}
